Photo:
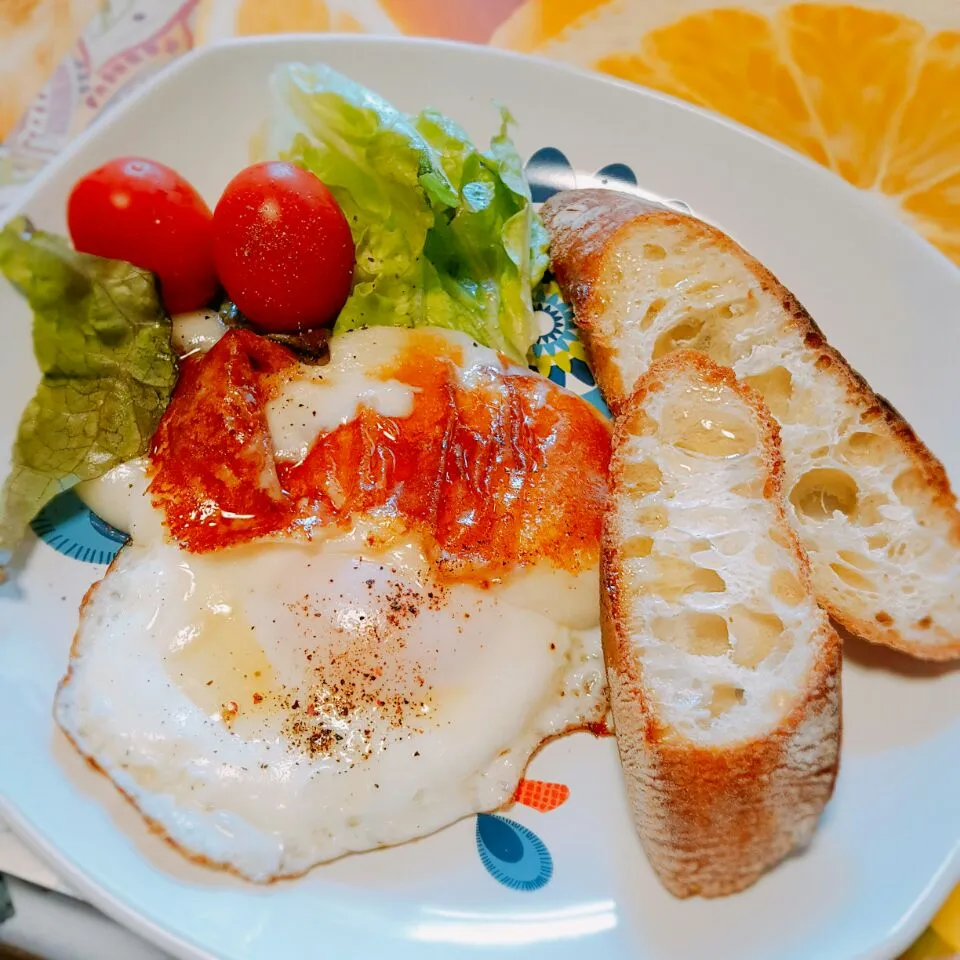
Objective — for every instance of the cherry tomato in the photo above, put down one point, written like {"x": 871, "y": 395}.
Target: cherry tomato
{"x": 282, "y": 247}
{"x": 143, "y": 212}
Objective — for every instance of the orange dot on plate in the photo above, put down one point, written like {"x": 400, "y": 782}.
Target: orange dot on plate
{"x": 541, "y": 795}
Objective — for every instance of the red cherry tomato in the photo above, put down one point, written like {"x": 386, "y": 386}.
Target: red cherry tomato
{"x": 282, "y": 247}
{"x": 141, "y": 211}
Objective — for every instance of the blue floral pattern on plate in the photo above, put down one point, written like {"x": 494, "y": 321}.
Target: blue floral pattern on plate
{"x": 559, "y": 354}
{"x": 68, "y": 525}
{"x": 512, "y": 853}
{"x": 549, "y": 171}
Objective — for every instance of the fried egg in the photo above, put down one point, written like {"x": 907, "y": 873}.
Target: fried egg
{"x": 274, "y": 704}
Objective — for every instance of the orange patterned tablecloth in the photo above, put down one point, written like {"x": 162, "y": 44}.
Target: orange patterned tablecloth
{"x": 870, "y": 90}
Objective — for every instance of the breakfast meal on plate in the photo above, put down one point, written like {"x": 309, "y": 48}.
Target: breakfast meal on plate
{"x": 375, "y": 560}
{"x": 872, "y": 505}
{"x": 333, "y": 569}
{"x": 724, "y": 673}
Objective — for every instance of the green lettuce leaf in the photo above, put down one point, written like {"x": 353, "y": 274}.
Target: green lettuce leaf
{"x": 446, "y": 235}
{"x": 102, "y": 341}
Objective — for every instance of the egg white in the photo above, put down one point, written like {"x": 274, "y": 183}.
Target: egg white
{"x": 272, "y": 706}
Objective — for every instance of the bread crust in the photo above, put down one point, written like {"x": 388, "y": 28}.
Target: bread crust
{"x": 586, "y": 227}
{"x": 713, "y": 819}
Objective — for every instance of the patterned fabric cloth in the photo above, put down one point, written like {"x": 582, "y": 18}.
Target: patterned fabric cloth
{"x": 65, "y": 62}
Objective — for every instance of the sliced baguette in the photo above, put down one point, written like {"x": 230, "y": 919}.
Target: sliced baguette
{"x": 724, "y": 672}
{"x": 873, "y": 506}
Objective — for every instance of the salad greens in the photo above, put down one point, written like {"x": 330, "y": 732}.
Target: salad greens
{"x": 102, "y": 341}
{"x": 445, "y": 234}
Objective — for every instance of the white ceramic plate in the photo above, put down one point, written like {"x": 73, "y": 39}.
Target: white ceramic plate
{"x": 889, "y": 847}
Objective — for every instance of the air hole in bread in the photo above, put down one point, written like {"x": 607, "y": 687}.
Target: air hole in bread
{"x": 705, "y": 286}
{"x": 716, "y": 438}
{"x": 724, "y": 696}
{"x": 637, "y": 547}
{"x": 865, "y": 448}
{"x": 853, "y": 578}
{"x": 698, "y": 331}
{"x": 781, "y": 538}
{"x": 776, "y": 387}
{"x": 911, "y": 490}
{"x": 671, "y": 276}
{"x": 753, "y": 489}
{"x": 819, "y": 453}
{"x": 877, "y": 541}
{"x": 641, "y": 424}
{"x": 857, "y": 560}
{"x": 642, "y": 478}
{"x": 730, "y": 544}
{"x": 821, "y": 493}
{"x": 700, "y": 634}
{"x": 653, "y": 251}
{"x": 710, "y": 432}
{"x": 786, "y": 588}
{"x": 684, "y": 334}
{"x": 884, "y": 618}
{"x": 653, "y": 518}
{"x": 698, "y": 546}
{"x": 677, "y": 577}
{"x": 756, "y": 634}
{"x": 868, "y": 510}
{"x": 652, "y": 312}
{"x": 765, "y": 554}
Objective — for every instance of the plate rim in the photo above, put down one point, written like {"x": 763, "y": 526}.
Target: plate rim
{"x": 866, "y": 198}
{"x": 931, "y": 897}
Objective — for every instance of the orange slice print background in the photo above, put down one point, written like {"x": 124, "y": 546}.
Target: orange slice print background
{"x": 219, "y": 19}
{"x": 869, "y": 90}
{"x": 470, "y": 20}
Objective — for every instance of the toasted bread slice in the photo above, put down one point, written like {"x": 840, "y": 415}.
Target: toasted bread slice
{"x": 724, "y": 672}
{"x": 872, "y": 505}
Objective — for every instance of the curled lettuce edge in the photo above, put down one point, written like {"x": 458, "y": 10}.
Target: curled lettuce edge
{"x": 102, "y": 341}
{"x": 405, "y": 182}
